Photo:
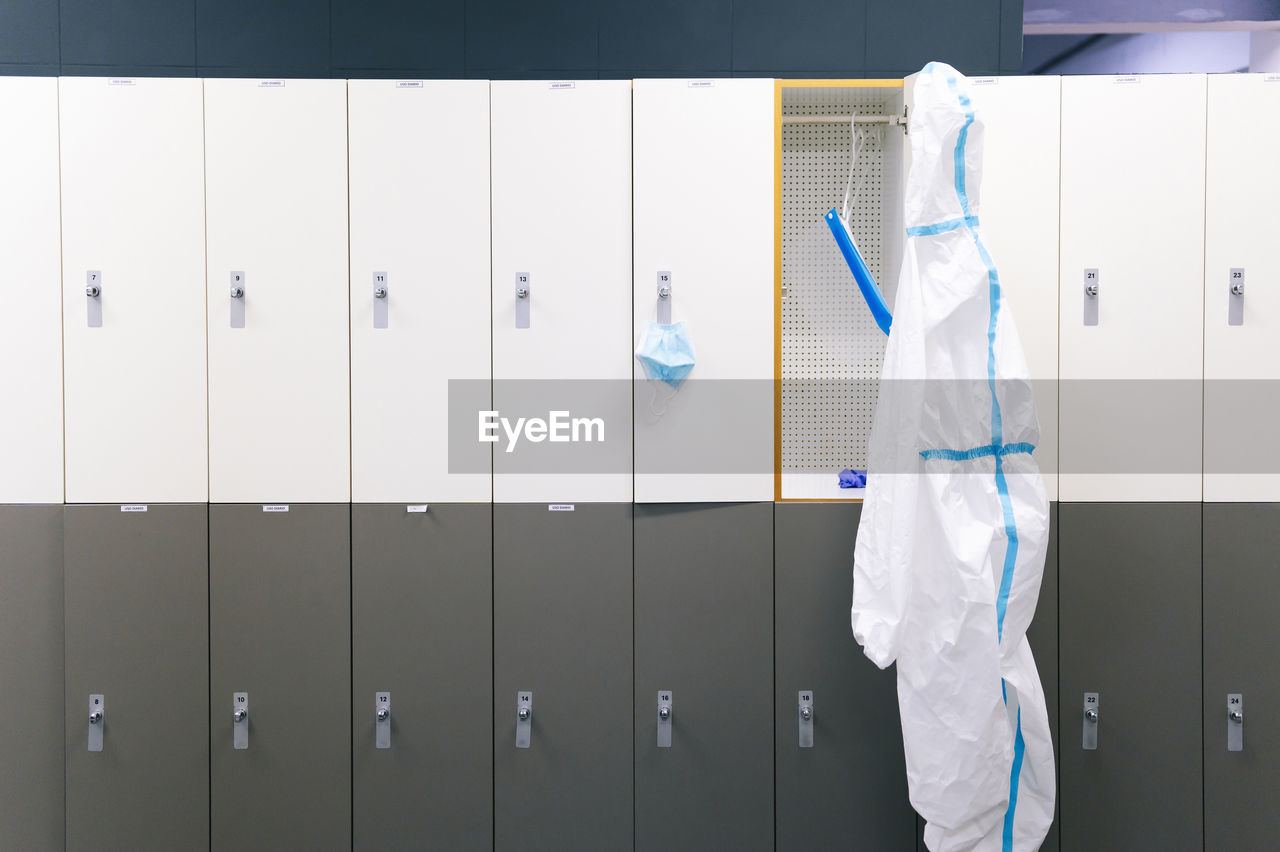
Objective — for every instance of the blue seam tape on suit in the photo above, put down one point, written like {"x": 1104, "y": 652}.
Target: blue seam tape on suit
{"x": 1002, "y": 487}
{"x": 979, "y": 452}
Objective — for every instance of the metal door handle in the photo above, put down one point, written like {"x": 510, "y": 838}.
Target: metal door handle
{"x": 239, "y": 715}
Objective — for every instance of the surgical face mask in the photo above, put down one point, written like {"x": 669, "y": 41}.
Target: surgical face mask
{"x": 666, "y": 356}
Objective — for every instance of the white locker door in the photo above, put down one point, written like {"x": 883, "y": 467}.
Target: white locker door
{"x": 133, "y": 221}
{"x": 276, "y": 178}
{"x": 1018, "y": 210}
{"x": 1130, "y": 399}
{"x": 704, "y": 213}
{"x": 419, "y": 230}
{"x": 30, "y": 300}
{"x": 562, "y": 216}
{"x": 1242, "y": 362}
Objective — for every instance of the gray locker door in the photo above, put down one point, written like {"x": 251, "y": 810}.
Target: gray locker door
{"x": 1241, "y": 634}
{"x": 1129, "y": 610}
{"x": 137, "y": 632}
{"x": 280, "y": 630}
{"x": 850, "y": 789}
{"x": 31, "y": 732}
{"x": 562, "y": 630}
{"x": 704, "y": 623}
{"x": 422, "y": 628}
{"x": 1043, "y": 636}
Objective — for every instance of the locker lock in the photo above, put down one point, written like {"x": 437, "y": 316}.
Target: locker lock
{"x": 384, "y": 713}
{"x": 380, "y": 293}
{"x": 524, "y": 713}
{"x": 239, "y": 714}
{"x": 1237, "y": 289}
{"x": 1091, "y": 289}
{"x": 522, "y": 292}
{"x": 806, "y": 712}
{"x": 1091, "y": 715}
{"x": 1236, "y": 716}
{"x": 237, "y": 292}
{"x": 93, "y": 291}
{"x": 95, "y": 718}
{"x": 664, "y": 291}
{"x": 664, "y": 713}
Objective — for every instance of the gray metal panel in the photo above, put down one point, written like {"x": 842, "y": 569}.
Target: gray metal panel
{"x": 137, "y": 631}
{"x": 422, "y": 599}
{"x": 850, "y": 789}
{"x": 562, "y": 629}
{"x": 1241, "y": 634}
{"x": 31, "y": 732}
{"x": 703, "y": 630}
{"x": 280, "y": 630}
{"x": 1043, "y": 637}
{"x": 1129, "y": 602}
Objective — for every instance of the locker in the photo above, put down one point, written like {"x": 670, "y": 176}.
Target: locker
{"x": 1019, "y": 215}
{"x": 850, "y": 787}
{"x": 422, "y": 603}
{"x": 703, "y": 611}
{"x": 279, "y": 396}
{"x": 133, "y": 226}
{"x": 1241, "y": 362}
{"x": 1240, "y": 637}
{"x": 562, "y": 631}
{"x": 30, "y": 301}
{"x": 704, "y": 214}
{"x": 1130, "y": 631}
{"x": 561, "y": 171}
{"x": 31, "y": 767}
{"x": 280, "y": 634}
{"x": 1132, "y": 214}
{"x": 137, "y": 633}
{"x": 420, "y": 219}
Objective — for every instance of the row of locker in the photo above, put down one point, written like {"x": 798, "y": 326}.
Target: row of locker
{"x": 732, "y": 616}
{"x": 287, "y": 206}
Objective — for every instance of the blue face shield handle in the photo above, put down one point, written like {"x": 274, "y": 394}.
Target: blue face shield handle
{"x": 867, "y": 284}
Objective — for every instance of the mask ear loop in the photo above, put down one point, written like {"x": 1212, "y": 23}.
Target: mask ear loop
{"x": 653, "y": 398}
{"x": 856, "y": 140}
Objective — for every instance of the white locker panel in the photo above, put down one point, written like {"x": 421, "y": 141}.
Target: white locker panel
{"x": 1019, "y": 218}
{"x": 1242, "y": 362}
{"x": 30, "y": 299}
{"x": 561, "y": 171}
{"x": 420, "y": 215}
{"x": 1133, "y": 169}
{"x": 704, "y": 212}
{"x": 276, "y": 178}
{"x": 133, "y": 214}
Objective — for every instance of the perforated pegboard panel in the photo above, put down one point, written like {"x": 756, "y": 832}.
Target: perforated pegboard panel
{"x": 832, "y": 349}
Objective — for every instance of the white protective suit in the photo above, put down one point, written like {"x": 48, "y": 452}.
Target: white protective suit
{"x": 952, "y": 540}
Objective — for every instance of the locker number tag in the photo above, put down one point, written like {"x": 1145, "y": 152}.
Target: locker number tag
{"x": 664, "y": 297}
{"x": 381, "y": 296}
{"x": 97, "y": 721}
{"x": 382, "y": 719}
{"x": 93, "y": 297}
{"x": 1090, "y": 737}
{"x": 1091, "y": 297}
{"x": 1235, "y": 297}
{"x": 805, "y": 713}
{"x": 524, "y": 295}
{"x": 240, "y": 720}
{"x": 524, "y": 718}
{"x": 237, "y": 299}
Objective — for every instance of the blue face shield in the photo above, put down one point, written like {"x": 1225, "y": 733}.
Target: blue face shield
{"x": 666, "y": 353}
